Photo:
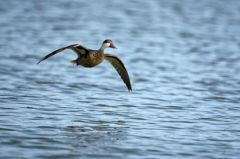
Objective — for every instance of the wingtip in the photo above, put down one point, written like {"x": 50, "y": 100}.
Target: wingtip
{"x": 129, "y": 89}
{"x": 40, "y": 61}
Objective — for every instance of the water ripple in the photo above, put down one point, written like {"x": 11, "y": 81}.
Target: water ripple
{"x": 182, "y": 58}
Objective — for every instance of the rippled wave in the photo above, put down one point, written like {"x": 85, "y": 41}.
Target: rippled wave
{"x": 183, "y": 60}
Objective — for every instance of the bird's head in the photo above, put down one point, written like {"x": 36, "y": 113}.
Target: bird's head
{"x": 107, "y": 44}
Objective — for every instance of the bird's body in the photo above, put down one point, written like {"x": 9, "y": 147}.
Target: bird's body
{"x": 90, "y": 58}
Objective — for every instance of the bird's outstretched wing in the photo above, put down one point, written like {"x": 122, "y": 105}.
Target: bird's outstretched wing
{"x": 76, "y": 47}
{"x": 119, "y": 66}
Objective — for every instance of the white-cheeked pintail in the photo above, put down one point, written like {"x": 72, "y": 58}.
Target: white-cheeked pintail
{"x": 90, "y": 58}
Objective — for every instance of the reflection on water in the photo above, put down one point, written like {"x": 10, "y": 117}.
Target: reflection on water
{"x": 183, "y": 60}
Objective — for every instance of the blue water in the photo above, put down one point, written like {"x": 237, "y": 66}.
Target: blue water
{"x": 183, "y": 58}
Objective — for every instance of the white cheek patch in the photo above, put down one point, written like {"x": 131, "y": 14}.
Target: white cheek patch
{"x": 105, "y": 45}
{"x": 108, "y": 44}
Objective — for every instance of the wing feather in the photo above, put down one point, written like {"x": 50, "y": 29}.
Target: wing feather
{"x": 119, "y": 66}
{"x": 79, "y": 49}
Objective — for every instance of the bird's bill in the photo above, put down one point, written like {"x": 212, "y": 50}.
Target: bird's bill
{"x": 112, "y": 46}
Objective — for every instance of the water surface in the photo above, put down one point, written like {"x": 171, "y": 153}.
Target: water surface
{"x": 182, "y": 58}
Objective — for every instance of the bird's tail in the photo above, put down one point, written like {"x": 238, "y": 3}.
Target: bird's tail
{"x": 73, "y": 62}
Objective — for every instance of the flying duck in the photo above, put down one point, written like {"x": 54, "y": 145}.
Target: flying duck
{"x": 90, "y": 58}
